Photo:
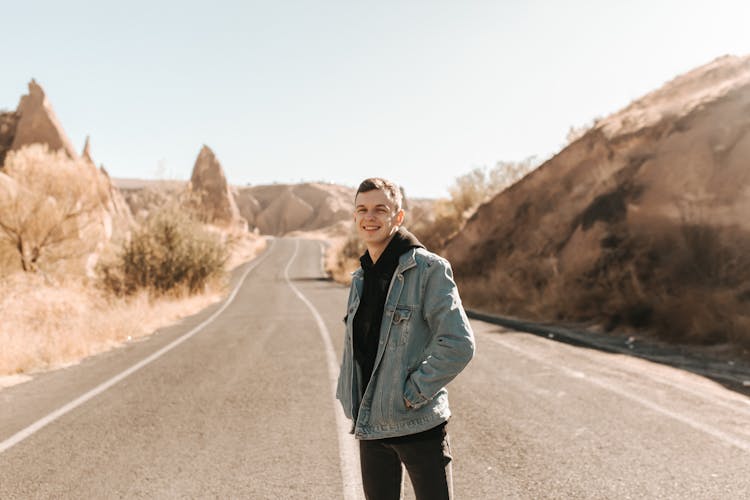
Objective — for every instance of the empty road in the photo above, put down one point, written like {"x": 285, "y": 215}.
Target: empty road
{"x": 237, "y": 402}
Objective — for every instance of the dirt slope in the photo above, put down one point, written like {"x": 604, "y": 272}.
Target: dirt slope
{"x": 641, "y": 222}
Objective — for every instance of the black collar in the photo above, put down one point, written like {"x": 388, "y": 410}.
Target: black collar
{"x": 402, "y": 241}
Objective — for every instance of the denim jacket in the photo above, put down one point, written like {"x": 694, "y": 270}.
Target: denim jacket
{"x": 425, "y": 341}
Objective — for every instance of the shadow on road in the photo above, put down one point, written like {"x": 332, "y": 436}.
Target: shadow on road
{"x": 732, "y": 372}
{"x": 312, "y": 278}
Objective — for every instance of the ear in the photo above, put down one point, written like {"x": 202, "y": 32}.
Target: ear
{"x": 400, "y": 217}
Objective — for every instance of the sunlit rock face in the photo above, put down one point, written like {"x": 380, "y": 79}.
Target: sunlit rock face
{"x": 651, "y": 204}
{"x": 211, "y": 192}
{"x": 38, "y": 123}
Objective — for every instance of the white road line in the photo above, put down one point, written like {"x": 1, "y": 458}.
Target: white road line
{"x": 685, "y": 419}
{"x": 30, "y": 430}
{"x": 350, "y": 473}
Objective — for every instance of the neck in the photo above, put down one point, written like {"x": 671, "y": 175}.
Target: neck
{"x": 376, "y": 251}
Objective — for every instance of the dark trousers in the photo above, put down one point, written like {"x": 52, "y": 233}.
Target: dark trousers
{"x": 426, "y": 457}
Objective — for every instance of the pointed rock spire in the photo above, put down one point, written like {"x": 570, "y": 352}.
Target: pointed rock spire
{"x": 38, "y": 123}
{"x": 209, "y": 184}
{"x": 86, "y": 153}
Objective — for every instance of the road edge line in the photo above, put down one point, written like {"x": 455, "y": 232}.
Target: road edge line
{"x": 350, "y": 474}
{"x": 51, "y": 417}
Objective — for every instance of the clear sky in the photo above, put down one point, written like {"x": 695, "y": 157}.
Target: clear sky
{"x": 420, "y": 91}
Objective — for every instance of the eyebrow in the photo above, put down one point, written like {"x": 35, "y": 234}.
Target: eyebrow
{"x": 376, "y": 206}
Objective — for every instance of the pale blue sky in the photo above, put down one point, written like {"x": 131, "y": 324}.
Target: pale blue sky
{"x": 420, "y": 91}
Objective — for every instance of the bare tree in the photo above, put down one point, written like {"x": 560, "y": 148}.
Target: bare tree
{"x": 49, "y": 206}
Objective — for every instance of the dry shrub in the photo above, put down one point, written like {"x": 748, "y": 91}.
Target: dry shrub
{"x": 342, "y": 257}
{"x": 47, "y": 324}
{"x": 704, "y": 274}
{"x": 242, "y": 247}
{"x": 685, "y": 283}
{"x": 701, "y": 317}
{"x": 434, "y": 232}
{"x": 170, "y": 252}
{"x": 52, "y": 209}
{"x": 468, "y": 192}
{"x": 682, "y": 282}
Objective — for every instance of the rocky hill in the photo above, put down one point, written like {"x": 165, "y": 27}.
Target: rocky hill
{"x": 641, "y": 223}
{"x": 51, "y": 197}
{"x": 281, "y": 208}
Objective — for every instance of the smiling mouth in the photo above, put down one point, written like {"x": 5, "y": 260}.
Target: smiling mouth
{"x": 370, "y": 228}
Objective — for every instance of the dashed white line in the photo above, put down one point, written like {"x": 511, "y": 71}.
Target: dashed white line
{"x": 350, "y": 474}
{"x": 48, "y": 419}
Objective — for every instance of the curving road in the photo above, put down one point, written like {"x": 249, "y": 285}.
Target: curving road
{"x": 237, "y": 402}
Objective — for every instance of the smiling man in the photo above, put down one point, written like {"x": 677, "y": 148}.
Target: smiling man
{"x": 407, "y": 336}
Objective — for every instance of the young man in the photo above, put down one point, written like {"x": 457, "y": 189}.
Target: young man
{"x": 407, "y": 336}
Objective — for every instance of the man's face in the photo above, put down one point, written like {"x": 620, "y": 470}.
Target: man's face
{"x": 376, "y": 217}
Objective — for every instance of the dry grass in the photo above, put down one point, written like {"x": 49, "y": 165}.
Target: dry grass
{"x": 242, "y": 248}
{"x": 342, "y": 257}
{"x": 48, "y": 325}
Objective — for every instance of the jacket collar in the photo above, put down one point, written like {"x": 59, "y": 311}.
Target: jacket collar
{"x": 406, "y": 261}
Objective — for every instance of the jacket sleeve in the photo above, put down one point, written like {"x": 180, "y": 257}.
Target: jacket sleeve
{"x": 452, "y": 345}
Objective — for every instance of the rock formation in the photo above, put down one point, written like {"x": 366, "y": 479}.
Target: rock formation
{"x": 209, "y": 185}
{"x": 644, "y": 216}
{"x": 86, "y": 153}
{"x": 36, "y": 152}
{"x": 37, "y": 123}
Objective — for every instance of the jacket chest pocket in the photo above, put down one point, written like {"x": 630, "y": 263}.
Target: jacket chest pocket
{"x": 400, "y": 326}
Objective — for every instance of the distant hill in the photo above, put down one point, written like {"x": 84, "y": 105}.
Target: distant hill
{"x": 273, "y": 209}
{"x": 643, "y": 222}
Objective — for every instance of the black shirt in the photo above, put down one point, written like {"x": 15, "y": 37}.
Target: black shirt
{"x": 377, "y": 281}
{"x": 369, "y": 316}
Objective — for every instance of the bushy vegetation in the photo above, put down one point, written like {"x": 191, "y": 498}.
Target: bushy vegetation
{"x": 50, "y": 208}
{"x": 467, "y": 192}
{"x": 55, "y": 220}
{"x": 170, "y": 253}
{"x": 342, "y": 257}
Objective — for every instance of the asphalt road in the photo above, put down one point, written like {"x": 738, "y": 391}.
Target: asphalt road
{"x": 237, "y": 402}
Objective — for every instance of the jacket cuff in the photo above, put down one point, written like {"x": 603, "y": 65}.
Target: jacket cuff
{"x": 413, "y": 396}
